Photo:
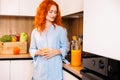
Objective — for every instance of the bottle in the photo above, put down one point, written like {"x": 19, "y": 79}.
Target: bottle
{"x": 75, "y": 53}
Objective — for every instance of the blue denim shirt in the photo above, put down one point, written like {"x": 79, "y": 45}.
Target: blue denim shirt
{"x": 50, "y": 69}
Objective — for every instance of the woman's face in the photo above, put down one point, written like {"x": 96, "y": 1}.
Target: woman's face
{"x": 52, "y": 13}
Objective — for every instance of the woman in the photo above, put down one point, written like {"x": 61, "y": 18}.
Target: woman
{"x": 49, "y": 43}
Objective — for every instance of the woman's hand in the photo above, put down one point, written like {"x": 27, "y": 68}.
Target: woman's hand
{"x": 50, "y": 53}
{"x": 39, "y": 52}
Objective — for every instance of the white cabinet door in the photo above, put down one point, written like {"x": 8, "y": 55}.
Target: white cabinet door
{"x": 28, "y": 7}
{"x": 9, "y": 7}
{"x": 4, "y": 70}
{"x": 19, "y": 7}
{"x": 101, "y": 22}
{"x": 68, "y": 76}
{"x": 21, "y": 69}
{"x": 70, "y": 6}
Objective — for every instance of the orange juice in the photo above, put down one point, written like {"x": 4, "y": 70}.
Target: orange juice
{"x": 76, "y": 57}
{"x": 16, "y": 50}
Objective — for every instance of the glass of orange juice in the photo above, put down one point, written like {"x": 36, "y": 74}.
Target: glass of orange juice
{"x": 16, "y": 50}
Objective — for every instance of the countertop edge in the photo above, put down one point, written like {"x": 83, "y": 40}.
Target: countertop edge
{"x": 15, "y": 57}
{"x": 73, "y": 69}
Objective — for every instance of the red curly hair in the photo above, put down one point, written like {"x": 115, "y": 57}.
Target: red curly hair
{"x": 42, "y": 10}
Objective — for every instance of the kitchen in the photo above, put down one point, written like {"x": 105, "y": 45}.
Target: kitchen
{"x": 20, "y": 16}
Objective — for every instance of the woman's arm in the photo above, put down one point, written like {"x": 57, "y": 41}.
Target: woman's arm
{"x": 64, "y": 44}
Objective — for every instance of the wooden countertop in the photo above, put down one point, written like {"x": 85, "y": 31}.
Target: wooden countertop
{"x": 11, "y": 56}
{"x": 73, "y": 69}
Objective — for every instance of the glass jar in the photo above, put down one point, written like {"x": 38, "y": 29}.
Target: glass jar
{"x": 75, "y": 53}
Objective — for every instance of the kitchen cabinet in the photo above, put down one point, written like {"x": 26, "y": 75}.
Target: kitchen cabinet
{"x": 70, "y": 6}
{"x": 102, "y": 28}
{"x": 67, "y": 76}
{"x": 16, "y": 69}
{"x": 4, "y": 70}
{"x": 21, "y": 70}
{"x": 9, "y": 7}
{"x": 28, "y": 7}
{"x": 19, "y": 7}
